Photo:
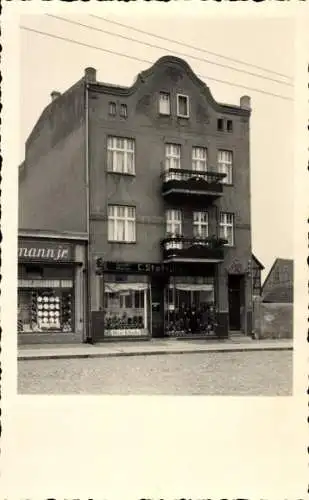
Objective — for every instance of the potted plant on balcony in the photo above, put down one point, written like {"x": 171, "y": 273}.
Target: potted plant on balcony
{"x": 173, "y": 241}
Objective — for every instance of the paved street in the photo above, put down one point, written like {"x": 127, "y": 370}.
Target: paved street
{"x": 267, "y": 373}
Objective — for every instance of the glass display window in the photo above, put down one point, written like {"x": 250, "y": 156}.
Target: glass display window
{"x": 189, "y": 308}
{"x": 126, "y": 308}
{"x": 45, "y": 310}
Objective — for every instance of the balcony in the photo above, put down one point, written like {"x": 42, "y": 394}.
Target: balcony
{"x": 181, "y": 249}
{"x": 186, "y": 184}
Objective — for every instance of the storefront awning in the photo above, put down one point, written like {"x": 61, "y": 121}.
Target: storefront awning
{"x": 124, "y": 287}
{"x": 194, "y": 287}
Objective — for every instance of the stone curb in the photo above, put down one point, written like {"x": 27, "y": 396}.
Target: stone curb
{"x": 22, "y": 357}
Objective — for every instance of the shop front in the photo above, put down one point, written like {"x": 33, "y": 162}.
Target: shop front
{"x": 155, "y": 300}
{"x": 50, "y": 291}
{"x": 129, "y": 307}
{"x": 126, "y": 306}
{"x": 189, "y": 306}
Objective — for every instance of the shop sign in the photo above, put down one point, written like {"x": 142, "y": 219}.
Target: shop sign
{"x": 32, "y": 250}
{"x": 132, "y": 267}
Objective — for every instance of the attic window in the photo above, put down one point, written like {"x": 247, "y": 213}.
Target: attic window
{"x": 123, "y": 110}
{"x": 112, "y": 108}
{"x": 229, "y": 126}
{"x": 182, "y": 106}
{"x": 220, "y": 124}
{"x": 164, "y": 103}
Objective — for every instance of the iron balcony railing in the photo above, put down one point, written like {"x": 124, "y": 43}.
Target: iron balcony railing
{"x": 204, "y": 249}
{"x": 187, "y": 180}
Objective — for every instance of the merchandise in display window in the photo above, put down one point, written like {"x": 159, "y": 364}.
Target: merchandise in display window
{"x": 126, "y": 309}
{"x": 44, "y": 310}
{"x": 189, "y": 308}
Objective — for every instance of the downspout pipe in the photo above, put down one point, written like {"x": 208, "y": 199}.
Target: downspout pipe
{"x": 88, "y": 338}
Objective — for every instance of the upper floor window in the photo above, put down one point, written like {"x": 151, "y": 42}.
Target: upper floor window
{"x": 229, "y": 126}
{"x": 227, "y": 227}
{"x": 173, "y": 220}
{"x": 112, "y": 108}
{"x": 120, "y": 155}
{"x": 199, "y": 158}
{"x": 121, "y": 223}
{"x": 172, "y": 158}
{"x": 220, "y": 124}
{"x": 164, "y": 103}
{"x": 123, "y": 110}
{"x": 225, "y": 165}
{"x": 182, "y": 106}
{"x": 200, "y": 224}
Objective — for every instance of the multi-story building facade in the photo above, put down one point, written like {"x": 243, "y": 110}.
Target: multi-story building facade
{"x": 154, "y": 179}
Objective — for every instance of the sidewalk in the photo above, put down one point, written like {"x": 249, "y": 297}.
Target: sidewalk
{"x": 150, "y": 347}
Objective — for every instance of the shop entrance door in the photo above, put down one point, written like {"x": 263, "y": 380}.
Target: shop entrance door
{"x": 235, "y": 297}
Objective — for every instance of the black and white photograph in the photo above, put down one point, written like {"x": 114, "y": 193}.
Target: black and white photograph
{"x": 155, "y": 254}
{"x": 154, "y": 250}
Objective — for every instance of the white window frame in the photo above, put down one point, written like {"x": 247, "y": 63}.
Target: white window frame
{"x": 188, "y": 106}
{"x": 173, "y": 224}
{"x": 200, "y": 225}
{"x": 123, "y": 112}
{"x": 199, "y": 158}
{"x": 127, "y": 219}
{"x": 172, "y": 160}
{"x": 113, "y": 150}
{"x": 112, "y": 108}
{"x": 225, "y": 165}
{"x": 162, "y": 111}
{"x": 227, "y": 222}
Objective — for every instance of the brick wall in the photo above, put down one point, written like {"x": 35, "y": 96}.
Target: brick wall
{"x": 273, "y": 321}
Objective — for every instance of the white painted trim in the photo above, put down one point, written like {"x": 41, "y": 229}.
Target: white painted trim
{"x": 176, "y": 259}
{"x": 188, "y": 106}
{"x": 58, "y": 236}
{"x": 189, "y": 191}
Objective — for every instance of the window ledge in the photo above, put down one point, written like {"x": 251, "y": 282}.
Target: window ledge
{"x": 122, "y": 242}
{"x": 121, "y": 173}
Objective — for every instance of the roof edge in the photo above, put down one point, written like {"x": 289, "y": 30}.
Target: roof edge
{"x": 143, "y": 75}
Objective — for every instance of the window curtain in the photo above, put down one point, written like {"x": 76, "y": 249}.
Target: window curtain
{"x": 119, "y": 287}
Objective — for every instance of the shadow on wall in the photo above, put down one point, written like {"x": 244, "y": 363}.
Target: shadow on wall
{"x": 273, "y": 321}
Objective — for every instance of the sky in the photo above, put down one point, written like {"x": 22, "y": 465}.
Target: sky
{"x": 49, "y": 64}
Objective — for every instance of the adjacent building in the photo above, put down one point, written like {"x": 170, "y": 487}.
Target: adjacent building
{"x": 134, "y": 209}
{"x": 257, "y": 268}
{"x": 278, "y": 285}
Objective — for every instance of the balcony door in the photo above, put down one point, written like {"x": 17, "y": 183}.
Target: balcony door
{"x": 173, "y": 227}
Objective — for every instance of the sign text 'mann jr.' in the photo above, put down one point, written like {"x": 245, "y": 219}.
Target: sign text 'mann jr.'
{"x": 44, "y": 251}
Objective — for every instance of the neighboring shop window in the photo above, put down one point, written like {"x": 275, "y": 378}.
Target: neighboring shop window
{"x": 126, "y": 309}
{"x": 44, "y": 309}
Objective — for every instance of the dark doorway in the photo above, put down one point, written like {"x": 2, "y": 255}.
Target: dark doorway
{"x": 235, "y": 292}
{"x": 157, "y": 306}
